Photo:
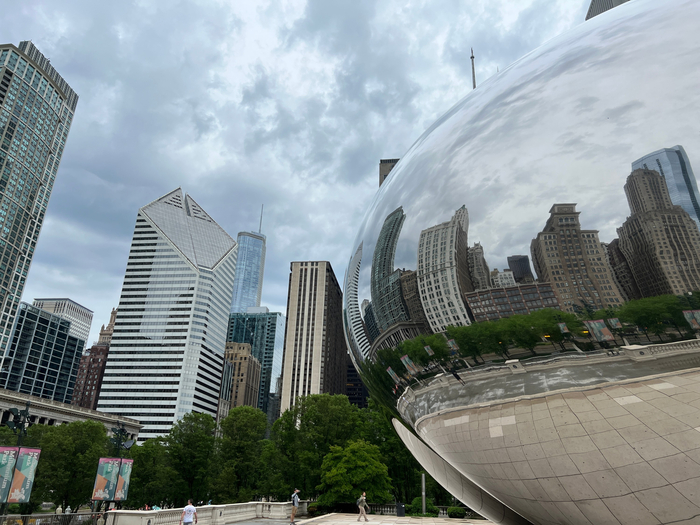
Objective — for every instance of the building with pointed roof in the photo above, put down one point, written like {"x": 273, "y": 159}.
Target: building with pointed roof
{"x": 167, "y": 350}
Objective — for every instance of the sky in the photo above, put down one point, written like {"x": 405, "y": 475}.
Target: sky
{"x": 286, "y": 104}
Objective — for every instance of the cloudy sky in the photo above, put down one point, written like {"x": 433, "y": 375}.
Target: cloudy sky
{"x": 289, "y": 104}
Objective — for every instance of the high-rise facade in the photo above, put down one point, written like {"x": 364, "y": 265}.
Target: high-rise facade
{"x": 659, "y": 241}
{"x": 245, "y": 387}
{"x": 521, "y": 299}
{"x": 264, "y": 332}
{"x": 36, "y": 113}
{"x": 80, "y": 317}
{"x": 314, "y": 343}
{"x": 673, "y": 165}
{"x": 250, "y": 269}
{"x": 385, "y": 167}
{"x": 443, "y": 272}
{"x": 520, "y": 266}
{"x": 167, "y": 349}
{"x": 573, "y": 261}
{"x": 107, "y": 331}
{"x": 357, "y": 336}
{"x": 88, "y": 382}
{"x": 622, "y": 273}
{"x": 502, "y": 279}
{"x": 478, "y": 268}
{"x": 600, "y": 6}
{"x": 43, "y": 357}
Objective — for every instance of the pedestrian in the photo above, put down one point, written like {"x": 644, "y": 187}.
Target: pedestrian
{"x": 454, "y": 373}
{"x": 68, "y": 510}
{"x": 295, "y": 504}
{"x": 362, "y": 505}
{"x": 188, "y": 514}
{"x": 59, "y": 510}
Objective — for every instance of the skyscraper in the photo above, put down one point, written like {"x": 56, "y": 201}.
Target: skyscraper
{"x": 443, "y": 272}
{"x": 385, "y": 167}
{"x": 107, "y": 331}
{"x": 314, "y": 344}
{"x": 43, "y": 357}
{"x": 88, "y": 382}
{"x": 659, "y": 241}
{"x": 358, "y": 339}
{"x": 520, "y": 266}
{"x": 246, "y": 375}
{"x": 478, "y": 268}
{"x": 167, "y": 350}
{"x": 574, "y": 262}
{"x": 36, "y": 115}
{"x": 80, "y": 317}
{"x": 600, "y": 6}
{"x": 673, "y": 165}
{"x": 250, "y": 269}
{"x": 264, "y": 332}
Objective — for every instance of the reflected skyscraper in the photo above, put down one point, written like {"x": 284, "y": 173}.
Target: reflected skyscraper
{"x": 387, "y": 301}
{"x": 167, "y": 350}
{"x": 478, "y": 268}
{"x": 37, "y": 108}
{"x": 520, "y": 266}
{"x": 600, "y": 6}
{"x": 674, "y": 166}
{"x": 385, "y": 167}
{"x": 358, "y": 340}
{"x": 250, "y": 269}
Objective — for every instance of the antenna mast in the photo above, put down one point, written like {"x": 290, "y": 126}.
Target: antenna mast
{"x": 473, "y": 73}
{"x": 262, "y": 207}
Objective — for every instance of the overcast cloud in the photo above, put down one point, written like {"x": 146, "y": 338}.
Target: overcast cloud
{"x": 289, "y": 104}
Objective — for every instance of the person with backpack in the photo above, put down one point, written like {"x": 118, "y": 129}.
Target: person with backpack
{"x": 295, "y": 504}
{"x": 362, "y": 505}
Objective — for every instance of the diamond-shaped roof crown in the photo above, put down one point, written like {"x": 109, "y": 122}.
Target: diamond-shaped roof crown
{"x": 189, "y": 228}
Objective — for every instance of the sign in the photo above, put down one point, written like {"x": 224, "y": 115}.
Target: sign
{"x": 393, "y": 375}
{"x": 599, "y": 330}
{"x": 563, "y": 328}
{"x": 23, "y": 479}
{"x": 409, "y": 364}
{"x": 8, "y": 458}
{"x": 429, "y": 350}
{"x": 615, "y": 323}
{"x": 106, "y": 479}
{"x": 124, "y": 478}
{"x": 693, "y": 318}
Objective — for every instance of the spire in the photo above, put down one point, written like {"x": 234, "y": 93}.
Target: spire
{"x": 262, "y": 207}
{"x": 473, "y": 73}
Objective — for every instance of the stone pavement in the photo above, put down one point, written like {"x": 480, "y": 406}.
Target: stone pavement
{"x": 351, "y": 519}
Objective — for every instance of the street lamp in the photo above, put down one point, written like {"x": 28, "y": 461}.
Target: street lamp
{"x": 119, "y": 439}
{"x": 20, "y": 422}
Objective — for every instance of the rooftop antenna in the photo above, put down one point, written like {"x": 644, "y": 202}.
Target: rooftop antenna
{"x": 262, "y": 207}
{"x": 473, "y": 73}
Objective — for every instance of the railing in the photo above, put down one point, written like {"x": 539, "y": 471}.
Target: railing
{"x": 206, "y": 515}
{"x": 50, "y": 519}
{"x": 389, "y": 509}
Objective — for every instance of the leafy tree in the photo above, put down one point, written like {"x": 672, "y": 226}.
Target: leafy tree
{"x": 153, "y": 480}
{"x": 520, "y": 330}
{"x": 653, "y": 313}
{"x": 347, "y": 472}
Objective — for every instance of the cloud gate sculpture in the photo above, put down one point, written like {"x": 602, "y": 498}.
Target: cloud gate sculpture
{"x": 579, "y": 155}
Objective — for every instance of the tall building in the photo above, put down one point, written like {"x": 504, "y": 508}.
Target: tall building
{"x": 250, "y": 269}
{"x": 573, "y": 261}
{"x": 167, "y": 349}
{"x": 673, "y": 165}
{"x": 443, "y": 272}
{"x": 502, "y": 279}
{"x": 358, "y": 338}
{"x": 91, "y": 370}
{"x": 478, "y": 268}
{"x": 314, "y": 341}
{"x": 521, "y": 299}
{"x": 659, "y": 241}
{"x": 385, "y": 167}
{"x": 387, "y": 302}
{"x": 370, "y": 320}
{"x": 80, "y": 317}
{"x": 245, "y": 388}
{"x": 622, "y": 274}
{"x": 600, "y": 6}
{"x": 264, "y": 332}
{"x": 107, "y": 331}
{"x": 37, "y": 112}
{"x": 355, "y": 389}
{"x": 520, "y": 266}
{"x": 43, "y": 357}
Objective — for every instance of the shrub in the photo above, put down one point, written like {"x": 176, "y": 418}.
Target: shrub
{"x": 456, "y": 512}
{"x": 416, "y": 508}
{"x": 312, "y": 510}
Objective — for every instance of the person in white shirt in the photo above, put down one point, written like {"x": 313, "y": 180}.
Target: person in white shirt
{"x": 189, "y": 513}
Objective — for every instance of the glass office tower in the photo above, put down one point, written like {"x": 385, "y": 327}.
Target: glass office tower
{"x": 36, "y": 112}
{"x": 673, "y": 165}
{"x": 247, "y": 286}
{"x": 167, "y": 350}
{"x": 43, "y": 357}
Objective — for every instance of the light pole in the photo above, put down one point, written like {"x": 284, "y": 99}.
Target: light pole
{"x": 20, "y": 422}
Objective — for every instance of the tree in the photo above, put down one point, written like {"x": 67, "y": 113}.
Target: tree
{"x": 153, "y": 480}
{"x": 652, "y": 314}
{"x": 521, "y": 331}
{"x": 347, "y": 472}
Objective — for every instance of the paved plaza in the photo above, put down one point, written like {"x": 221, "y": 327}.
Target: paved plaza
{"x": 349, "y": 519}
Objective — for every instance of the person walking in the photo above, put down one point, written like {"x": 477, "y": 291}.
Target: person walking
{"x": 295, "y": 504}
{"x": 188, "y": 514}
{"x": 362, "y": 505}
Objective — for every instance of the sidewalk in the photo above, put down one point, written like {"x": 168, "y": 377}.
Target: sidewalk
{"x": 350, "y": 519}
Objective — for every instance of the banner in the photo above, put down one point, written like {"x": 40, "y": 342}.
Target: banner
{"x": 393, "y": 375}
{"x": 106, "y": 479}
{"x": 693, "y": 318}
{"x": 8, "y": 458}
{"x": 615, "y": 323}
{"x": 563, "y": 328}
{"x": 23, "y": 479}
{"x": 599, "y": 330}
{"x": 124, "y": 478}
{"x": 409, "y": 364}
{"x": 453, "y": 346}
{"x": 429, "y": 350}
